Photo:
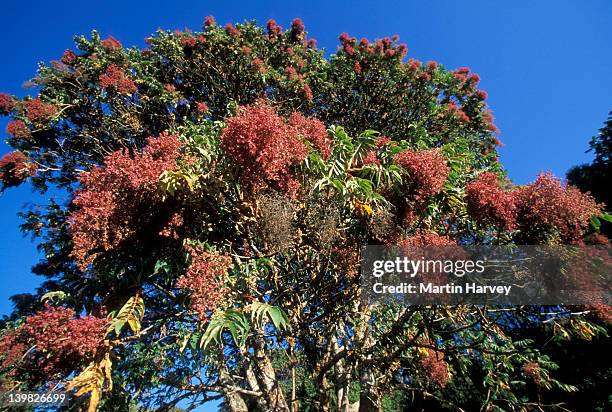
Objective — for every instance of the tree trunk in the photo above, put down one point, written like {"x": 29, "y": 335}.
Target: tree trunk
{"x": 369, "y": 397}
{"x": 233, "y": 400}
{"x": 266, "y": 378}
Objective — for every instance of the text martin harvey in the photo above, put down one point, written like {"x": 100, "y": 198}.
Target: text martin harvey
{"x": 449, "y": 288}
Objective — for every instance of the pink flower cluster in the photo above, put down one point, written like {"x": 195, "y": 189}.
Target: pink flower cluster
{"x": 231, "y": 30}
{"x": 6, "y": 104}
{"x": 110, "y": 44}
{"x": 532, "y": 372}
{"x": 307, "y": 92}
{"x": 108, "y": 205}
{"x": 312, "y": 130}
{"x": 115, "y": 78}
{"x": 204, "y": 278}
{"x": 540, "y": 206}
{"x": 201, "y": 107}
{"x": 61, "y": 342}
{"x": 209, "y": 21}
{"x": 38, "y": 111}
{"x": 68, "y": 57}
{"x": 427, "y": 238}
{"x": 548, "y": 203}
{"x": 273, "y": 28}
{"x": 488, "y": 204}
{"x": 297, "y": 29}
{"x": 257, "y": 139}
{"x": 18, "y": 129}
{"x": 435, "y": 367}
{"x": 15, "y": 168}
{"x": 458, "y": 113}
{"x": 427, "y": 171}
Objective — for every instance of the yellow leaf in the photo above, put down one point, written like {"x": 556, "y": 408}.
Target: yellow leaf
{"x": 363, "y": 209}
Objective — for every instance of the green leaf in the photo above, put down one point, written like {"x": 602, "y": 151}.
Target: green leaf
{"x": 260, "y": 310}
{"x": 230, "y": 319}
{"x": 595, "y": 223}
{"x": 607, "y": 217}
{"x": 56, "y": 296}
{"x": 131, "y": 313}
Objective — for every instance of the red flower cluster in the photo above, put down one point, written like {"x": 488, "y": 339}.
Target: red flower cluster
{"x": 370, "y": 158}
{"x": 61, "y": 342}
{"x": 435, "y": 367}
{"x": 532, "y": 372}
{"x": 15, "y": 168}
{"x": 110, "y": 44}
{"x": 258, "y": 139}
{"x": 38, "y": 111}
{"x": 307, "y": 92}
{"x": 115, "y": 78}
{"x": 481, "y": 95}
{"x": 6, "y": 104}
{"x": 414, "y": 65}
{"x": 548, "y": 203}
{"x": 488, "y": 120}
{"x": 297, "y": 29}
{"x": 489, "y": 204}
{"x": 201, "y": 107}
{"x": 231, "y": 30}
{"x": 312, "y": 130}
{"x": 458, "y": 113}
{"x": 461, "y": 73}
{"x": 188, "y": 42}
{"x": 291, "y": 73}
{"x": 273, "y": 28}
{"x": 18, "y": 129}
{"x": 425, "y": 76}
{"x": 427, "y": 239}
{"x": 108, "y": 205}
{"x": 209, "y": 21}
{"x": 68, "y": 57}
{"x": 427, "y": 171}
{"x": 204, "y": 279}
{"x": 357, "y": 68}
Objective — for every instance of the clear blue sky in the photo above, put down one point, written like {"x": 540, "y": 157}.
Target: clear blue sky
{"x": 546, "y": 64}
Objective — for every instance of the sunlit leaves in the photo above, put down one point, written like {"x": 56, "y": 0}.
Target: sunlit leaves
{"x": 131, "y": 313}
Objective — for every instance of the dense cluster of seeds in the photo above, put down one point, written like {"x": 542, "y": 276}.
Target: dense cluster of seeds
{"x": 204, "y": 280}
{"x": 435, "y": 367}
{"x": 427, "y": 171}
{"x": 53, "y": 341}
{"x": 116, "y": 79}
{"x": 38, "y": 111}
{"x": 108, "y": 203}
{"x": 549, "y": 204}
{"x": 267, "y": 148}
{"x": 488, "y": 204}
{"x": 15, "y": 167}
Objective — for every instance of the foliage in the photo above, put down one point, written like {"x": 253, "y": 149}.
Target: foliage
{"x": 219, "y": 187}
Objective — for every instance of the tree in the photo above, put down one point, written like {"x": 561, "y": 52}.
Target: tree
{"x": 595, "y": 177}
{"x": 220, "y": 185}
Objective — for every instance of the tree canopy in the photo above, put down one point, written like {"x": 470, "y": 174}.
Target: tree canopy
{"x": 219, "y": 186}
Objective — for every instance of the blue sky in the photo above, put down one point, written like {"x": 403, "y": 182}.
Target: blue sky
{"x": 545, "y": 64}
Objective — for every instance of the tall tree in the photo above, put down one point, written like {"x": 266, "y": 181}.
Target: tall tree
{"x": 220, "y": 185}
{"x": 596, "y": 176}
